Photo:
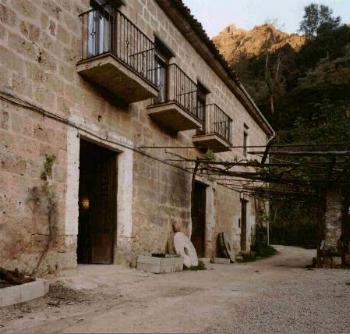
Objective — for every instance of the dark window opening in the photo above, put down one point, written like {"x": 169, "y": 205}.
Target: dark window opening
{"x": 99, "y": 26}
{"x": 161, "y": 78}
{"x": 100, "y": 22}
{"x": 162, "y": 57}
{"x": 202, "y": 93}
{"x": 245, "y": 143}
{"x": 243, "y": 224}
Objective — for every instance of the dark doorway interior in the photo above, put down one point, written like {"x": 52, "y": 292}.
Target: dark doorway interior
{"x": 198, "y": 222}
{"x": 97, "y": 204}
{"x": 244, "y": 225}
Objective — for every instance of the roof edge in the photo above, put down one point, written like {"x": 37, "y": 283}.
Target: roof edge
{"x": 216, "y": 60}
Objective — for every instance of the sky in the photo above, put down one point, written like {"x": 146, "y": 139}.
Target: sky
{"x": 215, "y": 15}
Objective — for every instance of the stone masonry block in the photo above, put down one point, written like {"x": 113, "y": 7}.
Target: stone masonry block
{"x": 23, "y": 293}
{"x": 4, "y": 120}
{"x": 7, "y": 15}
{"x": 150, "y": 194}
{"x": 158, "y": 265}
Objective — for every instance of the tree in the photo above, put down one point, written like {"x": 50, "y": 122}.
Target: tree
{"x": 318, "y": 18}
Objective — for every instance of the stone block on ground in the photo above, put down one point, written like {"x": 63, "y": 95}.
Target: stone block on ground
{"x": 23, "y": 293}
{"x": 205, "y": 260}
{"x": 222, "y": 260}
{"x": 159, "y": 265}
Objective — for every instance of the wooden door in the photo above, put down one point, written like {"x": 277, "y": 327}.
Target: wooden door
{"x": 243, "y": 225}
{"x": 97, "y": 222}
{"x": 198, "y": 221}
{"x": 103, "y": 218}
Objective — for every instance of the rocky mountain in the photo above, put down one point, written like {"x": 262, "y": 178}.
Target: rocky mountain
{"x": 234, "y": 42}
{"x": 261, "y": 57}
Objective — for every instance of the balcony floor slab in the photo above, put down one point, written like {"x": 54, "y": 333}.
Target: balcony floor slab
{"x": 211, "y": 141}
{"x": 171, "y": 116}
{"x": 107, "y": 72}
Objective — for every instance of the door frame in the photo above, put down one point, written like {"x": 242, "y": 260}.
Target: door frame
{"x": 125, "y": 181}
{"x": 114, "y": 200}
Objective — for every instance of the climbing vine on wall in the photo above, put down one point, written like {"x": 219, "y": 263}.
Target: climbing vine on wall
{"x": 44, "y": 197}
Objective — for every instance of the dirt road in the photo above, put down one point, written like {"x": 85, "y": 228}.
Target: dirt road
{"x": 274, "y": 295}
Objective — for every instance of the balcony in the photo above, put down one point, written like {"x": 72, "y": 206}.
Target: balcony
{"x": 117, "y": 56}
{"x": 216, "y": 134}
{"x": 175, "y": 108}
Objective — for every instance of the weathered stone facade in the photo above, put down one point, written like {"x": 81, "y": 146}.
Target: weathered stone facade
{"x": 46, "y": 107}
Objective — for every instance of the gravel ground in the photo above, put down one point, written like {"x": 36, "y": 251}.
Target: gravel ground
{"x": 274, "y": 295}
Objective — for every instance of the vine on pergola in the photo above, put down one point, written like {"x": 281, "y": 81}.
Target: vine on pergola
{"x": 297, "y": 172}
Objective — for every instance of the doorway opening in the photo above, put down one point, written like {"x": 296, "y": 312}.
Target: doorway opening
{"x": 199, "y": 218}
{"x": 97, "y": 204}
{"x": 244, "y": 204}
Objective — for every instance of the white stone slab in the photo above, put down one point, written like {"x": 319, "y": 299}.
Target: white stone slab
{"x": 23, "y": 293}
{"x": 159, "y": 265}
{"x": 221, "y": 260}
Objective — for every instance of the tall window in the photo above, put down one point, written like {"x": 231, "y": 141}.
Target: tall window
{"x": 161, "y": 77}
{"x": 245, "y": 140}
{"x": 163, "y": 56}
{"x": 99, "y": 29}
{"x": 201, "y": 100}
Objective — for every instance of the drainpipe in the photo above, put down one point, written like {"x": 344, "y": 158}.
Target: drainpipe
{"x": 273, "y": 136}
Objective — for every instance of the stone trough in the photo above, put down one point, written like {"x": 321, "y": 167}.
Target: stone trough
{"x": 23, "y": 293}
{"x": 160, "y": 265}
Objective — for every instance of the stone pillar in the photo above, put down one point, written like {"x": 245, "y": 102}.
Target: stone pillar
{"x": 333, "y": 219}
{"x": 210, "y": 242}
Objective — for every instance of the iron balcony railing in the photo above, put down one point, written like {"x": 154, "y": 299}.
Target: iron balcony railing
{"x": 113, "y": 33}
{"x": 175, "y": 86}
{"x": 217, "y": 122}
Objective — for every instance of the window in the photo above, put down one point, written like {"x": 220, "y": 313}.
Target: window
{"x": 161, "y": 78}
{"x": 245, "y": 143}
{"x": 162, "y": 58}
{"x": 202, "y": 93}
{"x": 245, "y": 140}
{"x": 99, "y": 29}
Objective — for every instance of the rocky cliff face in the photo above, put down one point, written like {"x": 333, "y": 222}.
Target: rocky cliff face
{"x": 234, "y": 42}
{"x": 261, "y": 57}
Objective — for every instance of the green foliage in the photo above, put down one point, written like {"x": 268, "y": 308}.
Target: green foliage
{"x": 260, "y": 237}
{"x": 209, "y": 155}
{"x": 295, "y": 223}
{"x": 310, "y": 92}
{"x": 47, "y": 168}
{"x": 261, "y": 253}
{"x": 312, "y": 105}
{"x": 260, "y": 249}
{"x": 44, "y": 198}
{"x": 201, "y": 266}
{"x": 317, "y": 19}
{"x": 330, "y": 45}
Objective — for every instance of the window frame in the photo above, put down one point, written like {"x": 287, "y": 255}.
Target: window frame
{"x": 163, "y": 55}
{"x": 245, "y": 140}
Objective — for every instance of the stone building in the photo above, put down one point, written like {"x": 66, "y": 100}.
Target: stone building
{"x": 84, "y": 87}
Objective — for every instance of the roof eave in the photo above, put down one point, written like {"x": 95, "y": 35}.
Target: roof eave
{"x": 195, "y": 34}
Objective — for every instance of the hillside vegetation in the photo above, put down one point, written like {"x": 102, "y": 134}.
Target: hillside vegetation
{"x": 301, "y": 82}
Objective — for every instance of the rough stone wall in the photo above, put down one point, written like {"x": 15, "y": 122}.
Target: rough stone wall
{"x": 152, "y": 20}
{"x": 26, "y": 139}
{"x": 40, "y": 43}
{"x": 161, "y": 199}
{"x": 228, "y": 213}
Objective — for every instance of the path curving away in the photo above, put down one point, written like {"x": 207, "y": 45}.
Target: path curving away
{"x": 273, "y": 295}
